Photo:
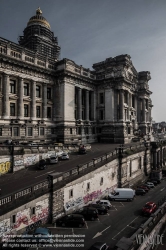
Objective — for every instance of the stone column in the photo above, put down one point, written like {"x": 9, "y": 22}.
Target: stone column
{"x": 128, "y": 109}
{"x": 6, "y": 105}
{"x": 143, "y": 110}
{"x": 93, "y": 106}
{"x": 139, "y": 110}
{"x": 79, "y": 104}
{"x": 121, "y": 104}
{"x": 20, "y": 100}
{"x": 44, "y": 101}
{"x": 136, "y": 107}
{"x": 33, "y": 102}
{"x": 87, "y": 105}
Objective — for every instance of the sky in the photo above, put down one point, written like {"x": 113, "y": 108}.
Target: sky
{"x": 89, "y": 31}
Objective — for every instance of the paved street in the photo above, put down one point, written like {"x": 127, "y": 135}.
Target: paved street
{"x": 121, "y": 221}
{"x": 26, "y": 177}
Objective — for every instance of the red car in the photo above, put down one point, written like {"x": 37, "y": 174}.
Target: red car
{"x": 149, "y": 208}
{"x": 144, "y": 187}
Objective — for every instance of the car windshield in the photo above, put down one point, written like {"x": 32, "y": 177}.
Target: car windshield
{"x": 148, "y": 206}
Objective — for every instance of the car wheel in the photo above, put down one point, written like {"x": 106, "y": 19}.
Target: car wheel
{"x": 92, "y": 218}
{"x": 63, "y": 224}
{"x": 80, "y": 225}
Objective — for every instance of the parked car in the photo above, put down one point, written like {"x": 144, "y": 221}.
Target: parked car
{"x": 53, "y": 159}
{"x": 144, "y": 187}
{"x": 100, "y": 208}
{"x": 71, "y": 220}
{"x": 99, "y": 246}
{"x": 150, "y": 184}
{"x": 40, "y": 234}
{"x": 140, "y": 191}
{"x": 64, "y": 156}
{"x": 105, "y": 203}
{"x": 89, "y": 213}
{"x": 42, "y": 164}
{"x": 155, "y": 182}
{"x": 149, "y": 208}
{"x": 43, "y": 234}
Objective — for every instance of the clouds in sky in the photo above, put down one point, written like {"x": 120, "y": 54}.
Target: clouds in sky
{"x": 90, "y": 31}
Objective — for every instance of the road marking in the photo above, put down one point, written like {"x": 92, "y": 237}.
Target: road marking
{"x": 131, "y": 227}
{"x": 44, "y": 174}
{"x": 162, "y": 189}
{"x": 124, "y": 228}
{"x": 122, "y": 204}
{"x": 100, "y": 233}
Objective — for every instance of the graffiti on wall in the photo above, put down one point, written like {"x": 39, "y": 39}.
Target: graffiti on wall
{"x": 22, "y": 219}
{"x": 74, "y": 203}
{"x": 5, "y": 167}
{"x": 31, "y": 160}
{"x": 92, "y": 196}
{"x": 48, "y": 154}
{"x": 25, "y": 218}
{"x": 4, "y": 227}
{"x": 42, "y": 211}
{"x": 18, "y": 163}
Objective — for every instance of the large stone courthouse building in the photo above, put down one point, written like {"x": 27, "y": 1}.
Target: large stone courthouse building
{"x": 45, "y": 99}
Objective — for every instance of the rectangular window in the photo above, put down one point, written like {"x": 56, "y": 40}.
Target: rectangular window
{"x": 25, "y": 110}
{"x": 79, "y": 130}
{"x": 26, "y": 89}
{"x": 93, "y": 130}
{"x": 38, "y": 111}
{"x": 30, "y": 131}
{"x": 101, "y": 181}
{"x": 12, "y": 109}
{"x": 88, "y": 186}
{"x": 12, "y": 86}
{"x": 49, "y": 112}
{"x": 0, "y": 131}
{"x": 48, "y": 93}
{"x": 53, "y": 131}
{"x": 83, "y": 114}
{"x": 14, "y": 218}
{"x": 71, "y": 131}
{"x": 101, "y": 114}
{"x": 41, "y": 131}
{"x": 86, "y": 130}
{"x": 33, "y": 210}
{"x": 38, "y": 94}
{"x": 15, "y": 131}
{"x": 70, "y": 193}
{"x": 101, "y": 98}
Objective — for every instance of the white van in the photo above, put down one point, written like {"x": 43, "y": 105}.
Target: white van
{"x": 122, "y": 194}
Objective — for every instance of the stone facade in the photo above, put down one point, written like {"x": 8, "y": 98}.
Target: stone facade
{"x": 43, "y": 98}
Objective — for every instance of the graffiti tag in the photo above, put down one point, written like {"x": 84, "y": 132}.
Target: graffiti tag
{"x": 5, "y": 167}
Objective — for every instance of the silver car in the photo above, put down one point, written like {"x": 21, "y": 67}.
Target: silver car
{"x": 65, "y": 156}
{"x": 53, "y": 159}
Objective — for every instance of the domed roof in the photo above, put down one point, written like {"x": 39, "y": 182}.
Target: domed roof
{"x": 38, "y": 19}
